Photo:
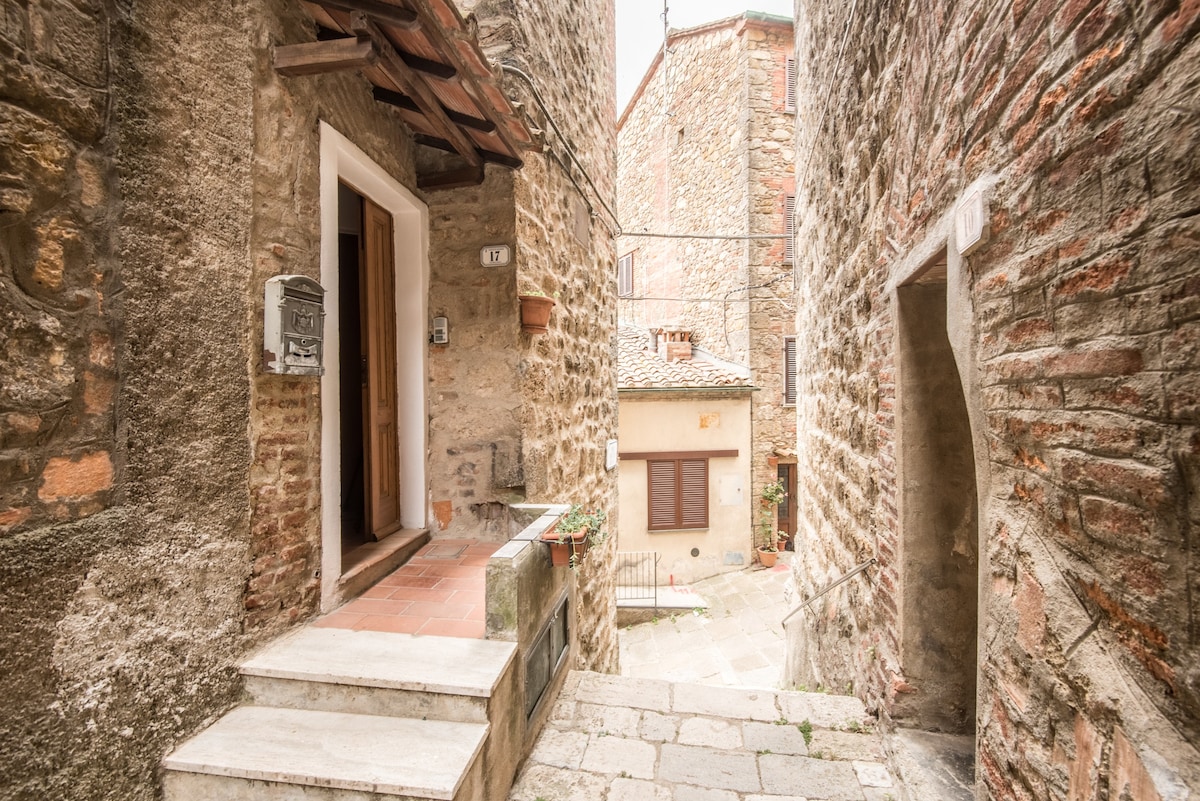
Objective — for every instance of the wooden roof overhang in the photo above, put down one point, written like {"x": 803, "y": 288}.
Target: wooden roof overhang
{"x": 422, "y": 59}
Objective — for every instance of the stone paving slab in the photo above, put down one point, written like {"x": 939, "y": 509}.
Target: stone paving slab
{"x": 647, "y": 740}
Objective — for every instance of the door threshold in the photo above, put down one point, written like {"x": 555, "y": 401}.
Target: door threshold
{"x": 370, "y": 562}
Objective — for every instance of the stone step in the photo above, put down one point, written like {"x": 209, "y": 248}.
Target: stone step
{"x": 379, "y": 673}
{"x": 269, "y": 754}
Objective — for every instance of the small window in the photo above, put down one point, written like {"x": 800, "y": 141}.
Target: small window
{"x": 789, "y": 228}
{"x": 625, "y": 275}
{"x": 678, "y": 493}
{"x": 789, "y": 100}
{"x": 789, "y": 371}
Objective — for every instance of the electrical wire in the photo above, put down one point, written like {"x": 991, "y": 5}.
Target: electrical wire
{"x": 828, "y": 93}
{"x": 736, "y": 237}
{"x": 537, "y": 96}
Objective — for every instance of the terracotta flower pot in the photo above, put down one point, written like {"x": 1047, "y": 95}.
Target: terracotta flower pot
{"x": 535, "y": 313}
{"x": 767, "y": 558}
{"x": 565, "y": 546}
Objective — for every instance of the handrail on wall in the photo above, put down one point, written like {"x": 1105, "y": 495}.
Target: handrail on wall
{"x": 851, "y": 574}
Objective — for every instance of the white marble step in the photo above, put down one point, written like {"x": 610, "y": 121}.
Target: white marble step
{"x": 379, "y": 673}
{"x": 267, "y": 753}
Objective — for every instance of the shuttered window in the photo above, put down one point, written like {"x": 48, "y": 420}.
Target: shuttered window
{"x": 625, "y": 275}
{"x": 789, "y": 102}
{"x": 678, "y": 493}
{"x": 789, "y": 371}
{"x": 789, "y": 228}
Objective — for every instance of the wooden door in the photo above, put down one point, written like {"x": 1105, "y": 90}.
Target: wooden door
{"x": 380, "y": 435}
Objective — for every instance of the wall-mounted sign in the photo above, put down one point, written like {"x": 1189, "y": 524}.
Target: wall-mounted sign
{"x": 495, "y": 255}
{"x": 971, "y": 223}
{"x": 610, "y": 454}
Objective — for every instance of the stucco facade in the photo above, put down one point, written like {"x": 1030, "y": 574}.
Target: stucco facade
{"x": 705, "y": 151}
{"x": 166, "y": 505}
{"x": 695, "y": 406}
{"x": 1005, "y": 423}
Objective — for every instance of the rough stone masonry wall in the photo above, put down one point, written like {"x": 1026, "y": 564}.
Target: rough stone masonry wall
{"x": 125, "y": 586}
{"x": 121, "y": 587}
{"x": 567, "y": 377}
{"x": 683, "y": 169}
{"x": 1083, "y": 348}
{"x": 771, "y": 129}
{"x": 284, "y": 238}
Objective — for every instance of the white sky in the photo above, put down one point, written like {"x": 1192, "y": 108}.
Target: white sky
{"x": 640, "y": 30}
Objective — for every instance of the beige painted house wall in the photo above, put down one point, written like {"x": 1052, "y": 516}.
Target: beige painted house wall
{"x": 658, "y": 424}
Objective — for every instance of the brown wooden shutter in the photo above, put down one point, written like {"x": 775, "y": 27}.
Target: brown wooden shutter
{"x": 789, "y": 228}
{"x": 663, "y": 493}
{"x": 789, "y": 102}
{"x": 693, "y": 481}
{"x": 789, "y": 371}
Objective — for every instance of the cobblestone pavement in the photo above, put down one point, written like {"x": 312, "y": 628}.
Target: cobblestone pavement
{"x": 616, "y": 738}
{"x": 663, "y": 732}
{"x": 736, "y": 642}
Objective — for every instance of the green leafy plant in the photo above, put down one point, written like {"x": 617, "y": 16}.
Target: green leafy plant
{"x": 805, "y": 731}
{"x": 771, "y": 496}
{"x": 577, "y": 520}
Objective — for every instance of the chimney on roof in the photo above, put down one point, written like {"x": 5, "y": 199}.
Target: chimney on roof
{"x": 674, "y": 344}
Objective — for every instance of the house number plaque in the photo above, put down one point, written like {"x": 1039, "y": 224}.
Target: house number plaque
{"x": 495, "y": 255}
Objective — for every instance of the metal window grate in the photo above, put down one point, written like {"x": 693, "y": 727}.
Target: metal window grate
{"x": 637, "y": 576}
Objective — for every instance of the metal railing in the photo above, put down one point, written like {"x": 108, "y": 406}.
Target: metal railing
{"x": 637, "y": 576}
{"x": 849, "y": 575}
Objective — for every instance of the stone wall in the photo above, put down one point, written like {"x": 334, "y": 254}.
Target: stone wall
{"x": 564, "y": 247}
{"x": 1073, "y": 333}
{"x": 705, "y": 147}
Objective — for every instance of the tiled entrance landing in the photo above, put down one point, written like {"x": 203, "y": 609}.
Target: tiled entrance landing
{"x": 440, "y": 591}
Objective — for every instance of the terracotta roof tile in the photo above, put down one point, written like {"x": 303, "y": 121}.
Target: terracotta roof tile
{"x": 640, "y": 368}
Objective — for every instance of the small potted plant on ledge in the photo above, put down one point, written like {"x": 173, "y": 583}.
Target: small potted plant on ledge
{"x": 535, "y": 311}
{"x": 573, "y": 534}
{"x": 772, "y": 495}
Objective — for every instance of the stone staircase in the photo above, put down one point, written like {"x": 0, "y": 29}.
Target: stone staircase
{"x": 341, "y": 715}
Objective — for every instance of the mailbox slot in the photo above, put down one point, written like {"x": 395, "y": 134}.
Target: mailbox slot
{"x": 294, "y": 326}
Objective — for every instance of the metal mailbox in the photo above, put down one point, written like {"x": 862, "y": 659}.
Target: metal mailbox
{"x": 294, "y": 326}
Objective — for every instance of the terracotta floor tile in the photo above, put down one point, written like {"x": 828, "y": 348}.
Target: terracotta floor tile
{"x": 397, "y": 624}
{"x": 397, "y": 580}
{"x": 468, "y": 584}
{"x": 450, "y": 571}
{"x": 378, "y": 591}
{"x": 442, "y": 610}
{"x": 455, "y": 628}
{"x": 338, "y": 620}
{"x": 478, "y": 612}
{"x": 378, "y": 606}
{"x": 429, "y": 596}
{"x": 468, "y": 597}
{"x": 476, "y": 561}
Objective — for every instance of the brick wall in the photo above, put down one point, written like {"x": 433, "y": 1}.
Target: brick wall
{"x": 1073, "y": 331}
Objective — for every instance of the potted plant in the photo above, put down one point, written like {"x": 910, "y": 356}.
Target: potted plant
{"x": 535, "y": 311}
{"x": 770, "y": 497}
{"x": 573, "y": 534}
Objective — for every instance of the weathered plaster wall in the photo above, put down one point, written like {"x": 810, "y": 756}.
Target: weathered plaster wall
{"x": 651, "y": 423}
{"x": 150, "y": 138}
{"x": 1074, "y": 334}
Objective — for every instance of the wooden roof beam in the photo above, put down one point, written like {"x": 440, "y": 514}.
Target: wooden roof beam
{"x": 489, "y": 156}
{"x": 332, "y": 55}
{"x": 441, "y": 39}
{"x": 451, "y": 179}
{"x": 413, "y": 86}
{"x": 381, "y": 10}
{"x": 408, "y": 104}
